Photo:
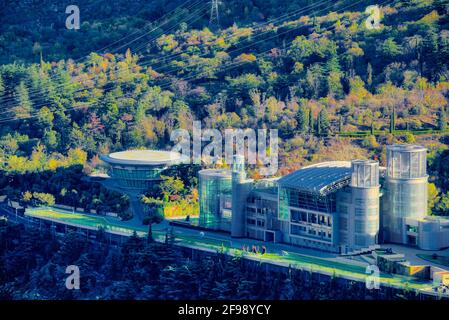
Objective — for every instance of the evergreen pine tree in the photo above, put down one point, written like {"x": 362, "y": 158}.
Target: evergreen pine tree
{"x": 311, "y": 122}
{"x": 24, "y": 107}
{"x": 392, "y": 121}
{"x": 2, "y": 86}
{"x": 442, "y": 120}
{"x": 318, "y": 125}
{"x": 369, "y": 75}
{"x": 302, "y": 119}
{"x": 323, "y": 122}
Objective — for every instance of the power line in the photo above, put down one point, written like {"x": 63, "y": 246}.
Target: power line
{"x": 226, "y": 67}
{"x": 195, "y": 14}
{"x": 174, "y": 18}
{"x": 234, "y": 50}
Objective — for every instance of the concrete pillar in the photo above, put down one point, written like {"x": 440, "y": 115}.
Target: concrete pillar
{"x": 241, "y": 187}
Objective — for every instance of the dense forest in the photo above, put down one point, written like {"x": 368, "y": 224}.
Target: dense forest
{"x": 33, "y": 265}
{"x": 133, "y": 73}
{"x": 27, "y": 27}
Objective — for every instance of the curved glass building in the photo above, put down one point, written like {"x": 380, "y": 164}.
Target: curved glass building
{"x": 405, "y": 192}
{"x": 215, "y": 195}
{"x": 139, "y": 170}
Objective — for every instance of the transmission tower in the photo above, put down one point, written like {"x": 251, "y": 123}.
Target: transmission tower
{"x": 214, "y": 20}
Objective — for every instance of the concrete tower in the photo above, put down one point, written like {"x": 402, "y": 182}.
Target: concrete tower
{"x": 240, "y": 190}
{"x": 363, "y": 217}
{"x": 405, "y": 199}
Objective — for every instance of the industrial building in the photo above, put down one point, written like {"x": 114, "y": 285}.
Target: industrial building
{"x": 336, "y": 206}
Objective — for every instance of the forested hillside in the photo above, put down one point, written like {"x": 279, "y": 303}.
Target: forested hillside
{"x": 27, "y": 26}
{"x": 311, "y": 69}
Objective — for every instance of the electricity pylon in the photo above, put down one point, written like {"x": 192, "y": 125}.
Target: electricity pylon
{"x": 214, "y": 15}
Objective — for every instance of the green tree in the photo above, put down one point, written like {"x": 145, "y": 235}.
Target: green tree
{"x": 244, "y": 83}
{"x": 171, "y": 186}
{"x": 311, "y": 122}
{"x": 390, "y": 48}
{"x": 369, "y": 75}
{"x": 155, "y": 214}
{"x": 302, "y": 119}
{"x": 24, "y": 107}
{"x": 370, "y": 142}
{"x": 2, "y": 86}
{"x": 27, "y": 196}
{"x": 315, "y": 80}
{"x": 301, "y": 48}
{"x": 334, "y": 76}
{"x": 442, "y": 206}
{"x": 45, "y": 118}
{"x": 323, "y": 123}
{"x": 43, "y": 199}
{"x": 50, "y": 139}
{"x": 432, "y": 198}
{"x": 442, "y": 119}
{"x": 318, "y": 125}
{"x": 409, "y": 137}
{"x": 392, "y": 121}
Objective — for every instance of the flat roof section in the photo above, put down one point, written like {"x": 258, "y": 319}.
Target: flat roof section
{"x": 143, "y": 157}
{"x": 225, "y": 173}
{"x": 406, "y": 147}
{"x": 321, "y": 178}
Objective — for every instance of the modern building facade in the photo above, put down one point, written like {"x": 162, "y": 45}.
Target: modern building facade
{"x": 135, "y": 172}
{"x": 215, "y": 196}
{"x": 139, "y": 170}
{"x": 261, "y": 211}
{"x": 336, "y": 206}
{"x": 308, "y": 204}
{"x": 358, "y": 209}
{"x": 241, "y": 186}
{"x": 405, "y": 193}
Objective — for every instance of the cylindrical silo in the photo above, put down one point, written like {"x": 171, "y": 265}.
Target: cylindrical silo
{"x": 405, "y": 190}
{"x": 364, "y": 223}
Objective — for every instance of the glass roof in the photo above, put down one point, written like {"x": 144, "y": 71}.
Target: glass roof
{"x": 320, "y": 178}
